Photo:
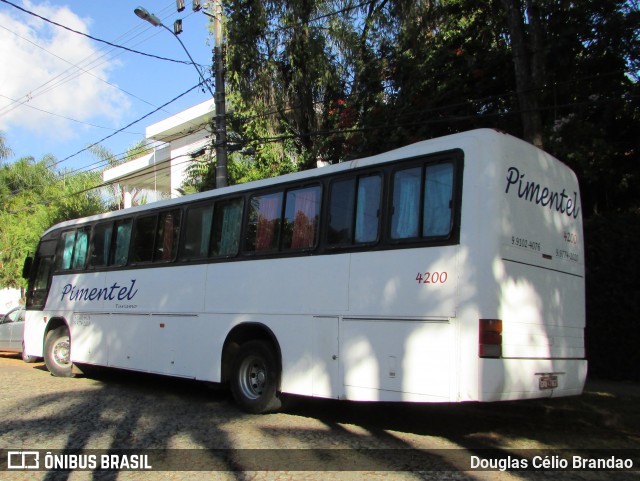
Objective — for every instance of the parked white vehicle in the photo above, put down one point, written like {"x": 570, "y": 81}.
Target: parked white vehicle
{"x": 11, "y": 328}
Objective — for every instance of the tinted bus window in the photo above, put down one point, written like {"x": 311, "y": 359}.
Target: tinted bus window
{"x": 438, "y": 200}
{"x": 167, "y": 236}
{"x": 226, "y": 228}
{"x": 354, "y": 210}
{"x": 120, "y": 250}
{"x": 302, "y": 212}
{"x": 197, "y": 227}
{"x": 75, "y": 246}
{"x": 422, "y": 202}
{"x": 101, "y": 244}
{"x": 263, "y": 229}
{"x": 144, "y": 237}
{"x": 110, "y": 243}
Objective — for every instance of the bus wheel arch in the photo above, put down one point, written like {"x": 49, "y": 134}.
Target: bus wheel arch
{"x": 57, "y": 348}
{"x": 252, "y": 366}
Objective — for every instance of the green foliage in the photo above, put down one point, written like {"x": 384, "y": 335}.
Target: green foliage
{"x": 33, "y": 197}
{"x": 5, "y": 151}
{"x": 334, "y": 80}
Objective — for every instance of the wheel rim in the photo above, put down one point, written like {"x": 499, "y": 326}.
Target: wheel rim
{"x": 61, "y": 352}
{"x": 253, "y": 377}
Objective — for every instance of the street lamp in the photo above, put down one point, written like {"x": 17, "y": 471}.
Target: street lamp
{"x": 221, "y": 134}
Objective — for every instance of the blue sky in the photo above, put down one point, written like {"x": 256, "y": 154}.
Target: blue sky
{"x": 60, "y": 91}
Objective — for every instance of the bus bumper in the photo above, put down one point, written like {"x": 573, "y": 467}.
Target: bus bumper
{"x": 510, "y": 379}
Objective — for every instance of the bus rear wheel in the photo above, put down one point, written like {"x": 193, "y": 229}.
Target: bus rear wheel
{"x": 255, "y": 378}
{"x": 57, "y": 350}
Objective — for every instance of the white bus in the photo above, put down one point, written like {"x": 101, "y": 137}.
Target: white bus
{"x": 448, "y": 270}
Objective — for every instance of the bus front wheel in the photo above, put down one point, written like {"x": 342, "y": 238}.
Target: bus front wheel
{"x": 57, "y": 349}
{"x": 255, "y": 378}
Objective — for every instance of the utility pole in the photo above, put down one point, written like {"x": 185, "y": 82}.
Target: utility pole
{"x": 221, "y": 108}
{"x": 218, "y": 58}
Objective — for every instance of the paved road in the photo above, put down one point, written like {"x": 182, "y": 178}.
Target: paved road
{"x": 190, "y": 426}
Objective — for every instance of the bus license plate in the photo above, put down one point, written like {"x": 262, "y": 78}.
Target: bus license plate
{"x": 548, "y": 382}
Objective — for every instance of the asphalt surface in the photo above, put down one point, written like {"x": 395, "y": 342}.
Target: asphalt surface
{"x": 188, "y": 430}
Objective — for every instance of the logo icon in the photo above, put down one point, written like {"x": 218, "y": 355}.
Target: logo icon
{"x": 23, "y": 460}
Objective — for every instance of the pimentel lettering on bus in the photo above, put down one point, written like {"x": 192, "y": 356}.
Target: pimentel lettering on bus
{"x": 542, "y": 195}
{"x": 115, "y": 292}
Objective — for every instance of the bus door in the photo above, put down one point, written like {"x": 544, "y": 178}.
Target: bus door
{"x": 40, "y": 275}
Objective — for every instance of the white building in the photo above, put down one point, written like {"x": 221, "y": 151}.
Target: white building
{"x": 176, "y": 141}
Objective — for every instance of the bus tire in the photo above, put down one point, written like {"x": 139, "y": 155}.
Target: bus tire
{"x": 57, "y": 349}
{"x": 255, "y": 377}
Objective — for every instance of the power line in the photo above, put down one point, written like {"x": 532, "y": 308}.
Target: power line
{"x": 71, "y": 75}
{"x": 26, "y": 104}
{"x": 92, "y": 37}
{"x": 128, "y": 125}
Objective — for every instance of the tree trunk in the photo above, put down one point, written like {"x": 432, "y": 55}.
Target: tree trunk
{"x": 527, "y": 64}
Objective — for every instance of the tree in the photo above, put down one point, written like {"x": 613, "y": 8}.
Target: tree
{"x": 5, "y": 151}
{"x": 527, "y": 50}
{"x": 300, "y": 74}
{"x": 33, "y": 197}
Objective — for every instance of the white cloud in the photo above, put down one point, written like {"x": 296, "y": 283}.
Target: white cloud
{"x": 54, "y": 70}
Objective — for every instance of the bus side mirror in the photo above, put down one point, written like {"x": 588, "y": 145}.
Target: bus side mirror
{"x": 26, "y": 268}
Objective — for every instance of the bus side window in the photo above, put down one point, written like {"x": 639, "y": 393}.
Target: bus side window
{"x": 301, "y": 219}
{"x": 406, "y": 203}
{"x": 368, "y": 209}
{"x": 263, "y": 229}
{"x": 101, "y": 244}
{"x": 341, "y": 208}
{"x": 226, "y": 228}
{"x": 197, "y": 226}
{"x": 119, "y": 254}
{"x": 143, "y": 238}
{"x": 422, "y": 201}
{"x": 75, "y": 245}
{"x": 438, "y": 200}
{"x": 354, "y": 208}
{"x": 167, "y": 236}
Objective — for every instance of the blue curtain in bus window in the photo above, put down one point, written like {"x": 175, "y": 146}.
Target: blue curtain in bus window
{"x": 437, "y": 200}
{"x": 406, "y": 203}
{"x": 306, "y": 207}
{"x": 230, "y": 229}
{"x": 68, "y": 239}
{"x": 368, "y": 207}
{"x": 81, "y": 249}
{"x": 123, "y": 237}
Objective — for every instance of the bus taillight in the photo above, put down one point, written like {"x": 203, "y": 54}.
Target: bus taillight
{"x": 490, "y": 339}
